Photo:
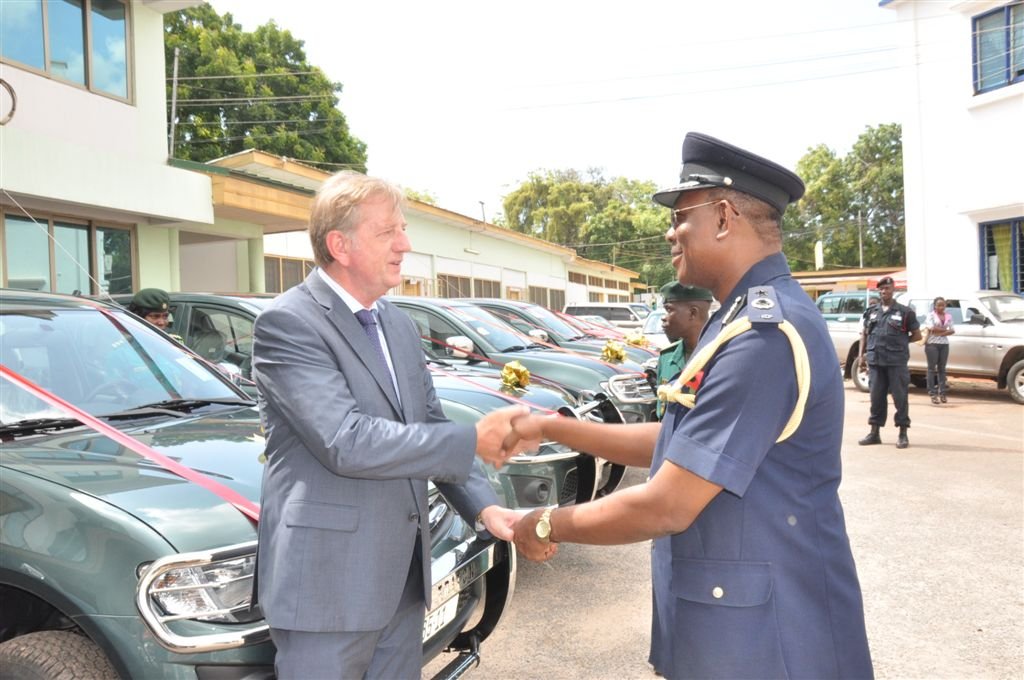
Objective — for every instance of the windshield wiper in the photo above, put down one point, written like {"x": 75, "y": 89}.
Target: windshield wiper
{"x": 514, "y": 348}
{"x": 34, "y": 425}
{"x": 188, "y": 404}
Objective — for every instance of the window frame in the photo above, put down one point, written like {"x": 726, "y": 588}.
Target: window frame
{"x": 1007, "y": 27}
{"x": 91, "y": 227}
{"x": 87, "y": 49}
{"x": 1016, "y": 225}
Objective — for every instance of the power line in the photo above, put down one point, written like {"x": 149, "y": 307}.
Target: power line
{"x": 247, "y": 75}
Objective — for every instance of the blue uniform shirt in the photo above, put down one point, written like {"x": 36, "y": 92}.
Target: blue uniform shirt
{"x": 763, "y": 583}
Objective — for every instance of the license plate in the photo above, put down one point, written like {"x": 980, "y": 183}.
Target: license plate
{"x": 440, "y": 617}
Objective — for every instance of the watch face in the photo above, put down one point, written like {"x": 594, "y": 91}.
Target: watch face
{"x": 543, "y": 529}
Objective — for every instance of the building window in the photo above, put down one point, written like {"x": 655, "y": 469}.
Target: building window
{"x": 485, "y": 288}
{"x": 538, "y": 295}
{"x": 513, "y": 293}
{"x": 623, "y": 285}
{"x": 596, "y": 297}
{"x": 79, "y": 41}
{"x": 65, "y": 256}
{"x": 1002, "y": 255}
{"x": 999, "y": 47}
{"x": 282, "y": 273}
{"x": 451, "y": 286}
{"x": 556, "y": 298}
{"x": 595, "y": 281}
{"x": 576, "y": 277}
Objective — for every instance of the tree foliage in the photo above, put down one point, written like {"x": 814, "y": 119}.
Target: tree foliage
{"x": 273, "y": 99}
{"x": 849, "y": 199}
{"x": 608, "y": 220}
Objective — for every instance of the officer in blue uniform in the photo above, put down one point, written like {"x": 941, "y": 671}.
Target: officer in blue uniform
{"x": 753, "y": 576}
{"x": 686, "y": 312}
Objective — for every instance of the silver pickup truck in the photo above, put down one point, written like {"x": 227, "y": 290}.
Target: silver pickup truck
{"x": 988, "y": 343}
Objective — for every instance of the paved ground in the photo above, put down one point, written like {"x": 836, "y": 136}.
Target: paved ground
{"x": 937, "y": 531}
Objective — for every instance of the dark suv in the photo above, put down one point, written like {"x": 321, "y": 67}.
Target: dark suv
{"x": 111, "y": 564}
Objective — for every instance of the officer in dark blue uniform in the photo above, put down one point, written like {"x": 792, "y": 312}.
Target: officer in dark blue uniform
{"x": 887, "y": 329}
{"x": 753, "y": 576}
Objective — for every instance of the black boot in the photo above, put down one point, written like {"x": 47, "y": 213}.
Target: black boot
{"x": 902, "y": 442}
{"x": 872, "y": 437}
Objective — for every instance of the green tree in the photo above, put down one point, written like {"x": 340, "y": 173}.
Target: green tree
{"x": 851, "y": 200}
{"x": 611, "y": 221}
{"x": 242, "y": 90}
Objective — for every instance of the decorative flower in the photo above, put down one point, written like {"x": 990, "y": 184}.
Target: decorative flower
{"x": 515, "y": 376}
{"x": 613, "y": 352}
{"x": 637, "y": 339}
{"x": 685, "y": 394}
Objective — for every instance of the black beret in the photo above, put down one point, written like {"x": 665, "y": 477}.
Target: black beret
{"x": 885, "y": 281}
{"x": 673, "y": 291}
{"x": 151, "y": 299}
{"x": 710, "y": 162}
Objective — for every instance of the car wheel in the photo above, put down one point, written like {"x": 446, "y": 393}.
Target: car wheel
{"x": 1015, "y": 382}
{"x": 53, "y": 654}
{"x": 859, "y": 375}
{"x": 919, "y": 381}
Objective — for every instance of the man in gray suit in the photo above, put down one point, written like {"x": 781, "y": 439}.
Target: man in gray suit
{"x": 354, "y": 430}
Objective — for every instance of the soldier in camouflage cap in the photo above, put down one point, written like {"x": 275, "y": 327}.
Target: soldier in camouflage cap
{"x": 153, "y": 305}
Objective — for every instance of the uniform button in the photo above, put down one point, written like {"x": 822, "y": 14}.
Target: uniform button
{"x": 414, "y": 517}
{"x": 791, "y": 520}
{"x": 717, "y": 592}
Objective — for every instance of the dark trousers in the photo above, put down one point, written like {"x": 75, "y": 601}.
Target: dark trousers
{"x": 885, "y": 380}
{"x": 937, "y": 356}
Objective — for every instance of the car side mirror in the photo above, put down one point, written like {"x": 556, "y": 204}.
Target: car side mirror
{"x": 539, "y": 334}
{"x": 460, "y": 347}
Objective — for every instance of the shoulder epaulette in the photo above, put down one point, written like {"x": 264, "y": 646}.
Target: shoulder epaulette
{"x": 763, "y": 305}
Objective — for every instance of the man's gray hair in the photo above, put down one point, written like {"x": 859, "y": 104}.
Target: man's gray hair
{"x": 336, "y": 207}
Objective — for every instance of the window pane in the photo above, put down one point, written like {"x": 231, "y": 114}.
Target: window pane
{"x": 21, "y": 32}
{"x": 67, "y": 41}
{"x": 71, "y": 256}
{"x": 1017, "y": 41}
{"x": 272, "y": 274}
{"x": 991, "y": 41}
{"x": 114, "y": 260}
{"x": 291, "y": 273}
{"x": 109, "y": 72}
{"x": 31, "y": 268}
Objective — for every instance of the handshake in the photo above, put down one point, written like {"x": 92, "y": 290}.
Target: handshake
{"x": 500, "y": 435}
{"x": 507, "y": 432}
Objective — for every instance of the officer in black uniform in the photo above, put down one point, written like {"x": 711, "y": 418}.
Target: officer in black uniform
{"x": 887, "y": 329}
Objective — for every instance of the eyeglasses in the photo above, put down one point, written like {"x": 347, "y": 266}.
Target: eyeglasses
{"x": 678, "y": 213}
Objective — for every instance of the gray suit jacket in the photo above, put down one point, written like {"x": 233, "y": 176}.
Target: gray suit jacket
{"x": 345, "y": 484}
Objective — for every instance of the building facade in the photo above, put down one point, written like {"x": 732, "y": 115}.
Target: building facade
{"x": 962, "y": 144}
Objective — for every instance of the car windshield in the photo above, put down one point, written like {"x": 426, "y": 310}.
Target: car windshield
{"x": 641, "y": 310}
{"x": 553, "y": 324}
{"x": 1005, "y": 308}
{"x": 102, "y": 362}
{"x": 653, "y": 322}
{"x": 498, "y": 334}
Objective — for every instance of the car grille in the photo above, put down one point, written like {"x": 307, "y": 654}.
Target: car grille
{"x": 631, "y": 389}
{"x": 570, "y": 484}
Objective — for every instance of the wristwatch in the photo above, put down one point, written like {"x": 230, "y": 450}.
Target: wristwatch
{"x": 543, "y": 527}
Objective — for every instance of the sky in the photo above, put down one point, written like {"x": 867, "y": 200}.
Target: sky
{"x": 464, "y": 100}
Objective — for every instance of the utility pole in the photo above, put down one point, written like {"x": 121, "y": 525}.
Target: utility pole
{"x": 174, "y": 105}
{"x": 860, "y": 239}
{"x": 483, "y": 215}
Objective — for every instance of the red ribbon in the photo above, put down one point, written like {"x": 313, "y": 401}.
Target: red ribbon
{"x": 241, "y": 503}
{"x": 694, "y": 383}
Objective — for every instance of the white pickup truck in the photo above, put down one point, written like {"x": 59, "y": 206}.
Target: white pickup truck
{"x": 988, "y": 343}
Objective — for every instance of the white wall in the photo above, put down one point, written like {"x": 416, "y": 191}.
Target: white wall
{"x": 210, "y": 267}
{"x": 961, "y": 152}
{"x": 66, "y": 144}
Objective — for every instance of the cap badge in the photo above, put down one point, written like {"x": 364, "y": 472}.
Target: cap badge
{"x": 762, "y": 303}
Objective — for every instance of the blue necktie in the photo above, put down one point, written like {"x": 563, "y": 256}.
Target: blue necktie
{"x": 369, "y": 323}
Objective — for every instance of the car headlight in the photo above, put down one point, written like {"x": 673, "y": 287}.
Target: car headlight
{"x": 220, "y": 592}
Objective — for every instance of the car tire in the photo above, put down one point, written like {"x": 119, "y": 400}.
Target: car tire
{"x": 1015, "y": 382}
{"x": 859, "y": 378}
{"x": 919, "y": 381}
{"x": 53, "y": 655}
